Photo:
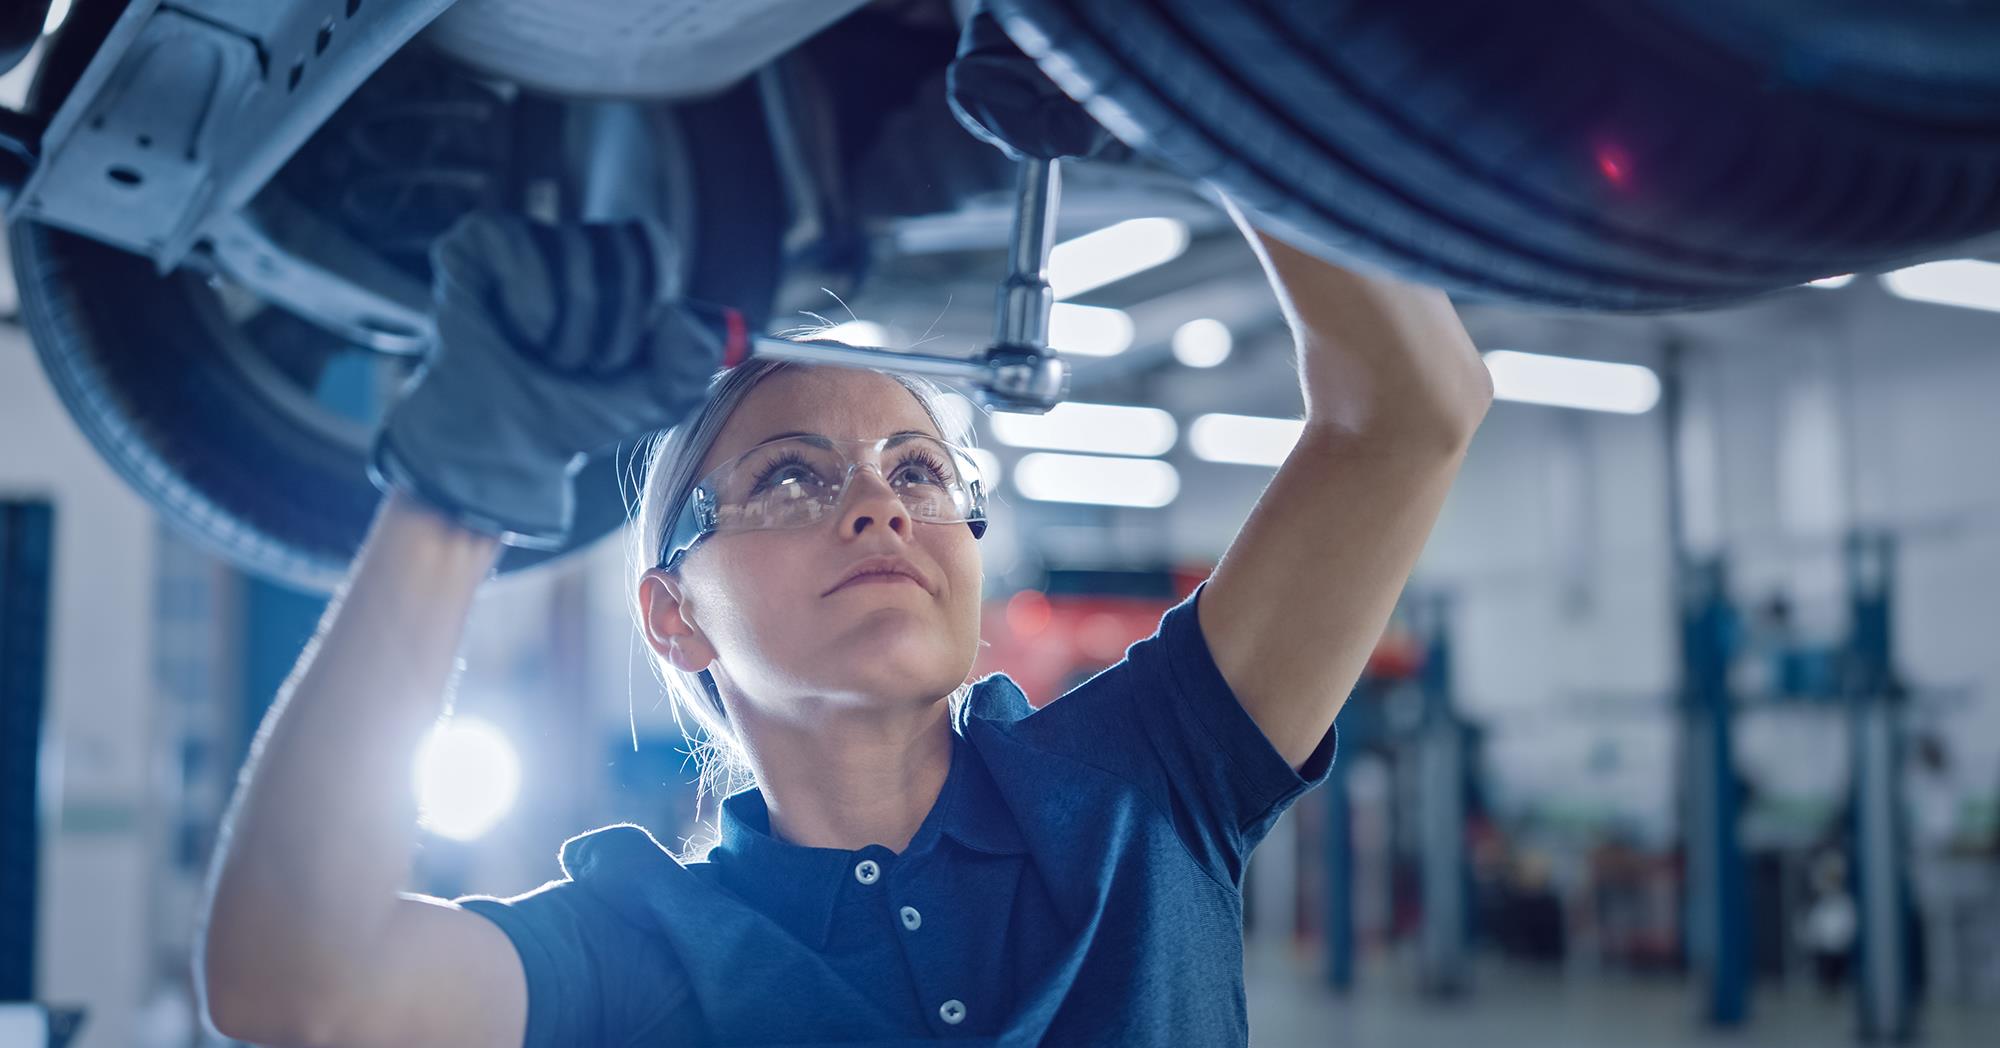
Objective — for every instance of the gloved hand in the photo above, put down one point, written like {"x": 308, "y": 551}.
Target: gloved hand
{"x": 1003, "y": 98}
{"x": 552, "y": 343}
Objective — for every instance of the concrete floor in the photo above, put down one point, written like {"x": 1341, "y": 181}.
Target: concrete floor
{"x": 1290, "y": 1007}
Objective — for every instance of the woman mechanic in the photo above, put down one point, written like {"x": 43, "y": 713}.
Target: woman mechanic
{"x": 918, "y": 857}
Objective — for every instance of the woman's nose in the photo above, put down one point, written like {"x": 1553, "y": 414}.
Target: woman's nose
{"x": 869, "y": 499}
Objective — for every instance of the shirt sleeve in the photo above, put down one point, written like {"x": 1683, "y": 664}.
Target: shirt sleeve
{"x": 1164, "y": 719}
{"x": 592, "y": 977}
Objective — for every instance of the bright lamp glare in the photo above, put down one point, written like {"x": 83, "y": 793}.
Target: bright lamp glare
{"x": 856, "y": 333}
{"x": 467, "y": 777}
{"x": 1104, "y": 429}
{"x": 1567, "y": 382}
{"x": 58, "y": 12}
{"x": 1144, "y": 483}
{"x": 1959, "y": 282}
{"x": 1247, "y": 440}
{"x": 1114, "y": 253}
{"x": 1842, "y": 280}
{"x": 1202, "y": 343}
{"x": 1089, "y": 331}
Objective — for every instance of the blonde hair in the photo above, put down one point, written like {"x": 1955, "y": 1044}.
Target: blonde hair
{"x": 671, "y": 458}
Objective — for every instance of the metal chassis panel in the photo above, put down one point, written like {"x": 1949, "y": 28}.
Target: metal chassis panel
{"x": 191, "y": 106}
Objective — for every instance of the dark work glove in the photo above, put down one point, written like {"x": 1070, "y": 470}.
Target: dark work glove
{"x": 552, "y": 343}
{"x": 1003, "y": 98}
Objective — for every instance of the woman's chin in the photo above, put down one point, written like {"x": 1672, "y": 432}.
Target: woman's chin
{"x": 885, "y": 645}
{"x": 890, "y": 613}
{"x": 896, "y": 670}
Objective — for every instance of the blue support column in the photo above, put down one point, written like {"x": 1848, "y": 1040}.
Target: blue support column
{"x": 277, "y": 623}
{"x": 1718, "y": 904}
{"x": 1339, "y": 881}
{"x": 27, "y": 541}
{"x": 1441, "y": 759}
{"x": 1362, "y": 731}
{"x": 1884, "y": 946}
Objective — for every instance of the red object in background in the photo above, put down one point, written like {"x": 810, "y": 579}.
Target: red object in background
{"x": 1049, "y": 643}
{"x": 1396, "y": 656}
{"x": 1028, "y": 614}
{"x": 1614, "y": 164}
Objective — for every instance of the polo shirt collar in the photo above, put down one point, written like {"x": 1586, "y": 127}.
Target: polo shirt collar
{"x": 797, "y": 886}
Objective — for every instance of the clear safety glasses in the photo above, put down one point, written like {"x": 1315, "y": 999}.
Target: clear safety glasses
{"x": 799, "y": 481}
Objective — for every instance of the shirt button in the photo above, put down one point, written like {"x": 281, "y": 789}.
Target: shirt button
{"x": 911, "y": 918}
{"x": 867, "y": 872}
{"x": 952, "y": 1011}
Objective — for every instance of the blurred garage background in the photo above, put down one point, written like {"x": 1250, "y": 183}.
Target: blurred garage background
{"x": 1687, "y": 730}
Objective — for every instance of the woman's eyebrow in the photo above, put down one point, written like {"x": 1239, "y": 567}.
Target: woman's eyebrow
{"x": 894, "y": 438}
{"x": 789, "y": 433}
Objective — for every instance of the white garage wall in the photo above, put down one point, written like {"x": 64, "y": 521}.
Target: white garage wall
{"x": 94, "y": 879}
{"x": 1815, "y": 411}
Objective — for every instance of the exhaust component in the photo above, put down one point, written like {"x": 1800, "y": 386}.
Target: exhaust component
{"x": 629, "y": 48}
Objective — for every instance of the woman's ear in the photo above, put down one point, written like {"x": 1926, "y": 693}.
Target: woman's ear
{"x": 666, "y": 618}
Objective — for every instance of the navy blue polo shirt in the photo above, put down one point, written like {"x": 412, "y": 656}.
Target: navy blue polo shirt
{"x": 1077, "y": 882}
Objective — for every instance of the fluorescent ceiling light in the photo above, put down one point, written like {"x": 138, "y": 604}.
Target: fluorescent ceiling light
{"x": 1959, "y": 282}
{"x": 1104, "y": 429}
{"x": 1144, "y": 483}
{"x": 1203, "y": 343}
{"x": 1566, "y": 382}
{"x": 1842, "y": 280}
{"x": 1089, "y": 331}
{"x": 856, "y": 333}
{"x": 1114, "y": 253}
{"x": 1247, "y": 440}
{"x": 466, "y": 778}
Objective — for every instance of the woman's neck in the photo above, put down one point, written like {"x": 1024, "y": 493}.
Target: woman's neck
{"x": 848, "y": 782}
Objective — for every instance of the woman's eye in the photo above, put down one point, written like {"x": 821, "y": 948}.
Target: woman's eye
{"x": 921, "y": 471}
{"x": 790, "y": 474}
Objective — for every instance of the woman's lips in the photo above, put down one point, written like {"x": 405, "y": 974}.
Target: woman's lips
{"x": 875, "y": 577}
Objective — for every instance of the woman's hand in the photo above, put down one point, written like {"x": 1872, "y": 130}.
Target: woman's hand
{"x": 1376, "y": 355}
{"x": 552, "y": 343}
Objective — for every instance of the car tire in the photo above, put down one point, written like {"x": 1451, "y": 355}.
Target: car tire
{"x": 1609, "y": 155}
